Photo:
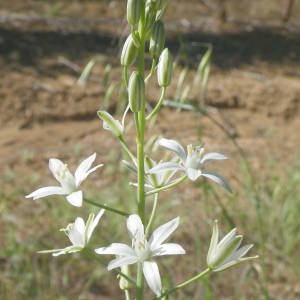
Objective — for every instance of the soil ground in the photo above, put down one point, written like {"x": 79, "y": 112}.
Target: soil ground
{"x": 254, "y": 87}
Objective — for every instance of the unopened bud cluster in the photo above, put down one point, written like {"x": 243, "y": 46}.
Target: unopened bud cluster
{"x": 154, "y": 32}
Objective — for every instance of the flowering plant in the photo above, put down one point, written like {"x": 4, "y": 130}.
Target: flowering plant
{"x": 145, "y": 20}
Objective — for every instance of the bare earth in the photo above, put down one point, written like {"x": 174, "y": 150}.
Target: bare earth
{"x": 254, "y": 87}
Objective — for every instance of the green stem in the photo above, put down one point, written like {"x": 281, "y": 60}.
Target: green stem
{"x": 113, "y": 210}
{"x": 125, "y": 76}
{"x": 141, "y": 180}
{"x": 166, "y": 187}
{"x": 158, "y": 105}
{"x": 127, "y": 295}
{"x": 152, "y": 215}
{"x": 140, "y": 283}
{"x": 127, "y": 150}
{"x": 185, "y": 283}
{"x": 129, "y": 279}
{"x": 151, "y": 71}
{"x": 140, "y": 123}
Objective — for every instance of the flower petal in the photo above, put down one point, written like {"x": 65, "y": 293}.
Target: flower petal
{"x": 75, "y": 198}
{"x": 213, "y": 241}
{"x": 83, "y": 169}
{"x": 228, "y": 238}
{"x": 57, "y": 252}
{"x": 163, "y": 167}
{"x": 76, "y": 232}
{"x": 193, "y": 174}
{"x": 152, "y": 276}
{"x": 61, "y": 173}
{"x": 238, "y": 254}
{"x": 173, "y": 146}
{"x": 218, "y": 179}
{"x": 71, "y": 249}
{"x": 212, "y": 156}
{"x": 135, "y": 228}
{"x": 94, "y": 223}
{"x": 46, "y": 191}
{"x": 116, "y": 249}
{"x": 160, "y": 234}
{"x": 79, "y": 225}
{"x": 121, "y": 261}
{"x": 168, "y": 249}
{"x": 233, "y": 263}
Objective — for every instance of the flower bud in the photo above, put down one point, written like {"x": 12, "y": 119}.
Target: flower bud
{"x": 157, "y": 40}
{"x": 109, "y": 123}
{"x": 129, "y": 52}
{"x": 161, "y": 6}
{"x": 150, "y": 19}
{"x": 136, "y": 92}
{"x": 133, "y": 11}
{"x": 165, "y": 68}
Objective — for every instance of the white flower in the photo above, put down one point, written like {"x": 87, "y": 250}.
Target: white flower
{"x": 78, "y": 233}
{"x": 69, "y": 183}
{"x": 226, "y": 253}
{"x": 143, "y": 251}
{"x": 192, "y": 162}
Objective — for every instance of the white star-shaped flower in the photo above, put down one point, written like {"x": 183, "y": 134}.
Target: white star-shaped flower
{"x": 191, "y": 163}
{"x": 143, "y": 251}
{"x": 78, "y": 233}
{"x": 226, "y": 253}
{"x": 69, "y": 183}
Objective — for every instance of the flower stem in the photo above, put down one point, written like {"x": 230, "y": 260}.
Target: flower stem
{"x": 151, "y": 219}
{"x": 125, "y": 76}
{"x": 113, "y": 210}
{"x": 129, "y": 279}
{"x": 127, "y": 295}
{"x": 127, "y": 150}
{"x": 166, "y": 187}
{"x": 140, "y": 124}
{"x": 140, "y": 283}
{"x": 158, "y": 105}
{"x": 151, "y": 71}
{"x": 185, "y": 283}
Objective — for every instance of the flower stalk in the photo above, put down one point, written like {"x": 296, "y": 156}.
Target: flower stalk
{"x": 140, "y": 120}
{"x": 185, "y": 283}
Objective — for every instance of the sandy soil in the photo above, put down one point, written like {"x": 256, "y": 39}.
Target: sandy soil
{"x": 254, "y": 87}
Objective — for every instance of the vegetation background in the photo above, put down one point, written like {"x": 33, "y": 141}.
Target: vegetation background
{"x": 252, "y": 115}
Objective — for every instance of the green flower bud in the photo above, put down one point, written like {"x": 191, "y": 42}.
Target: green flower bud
{"x": 165, "y": 68}
{"x": 150, "y": 19}
{"x": 109, "y": 123}
{"x": 133, "y": 11}
{"x": 129, "y": 52}
{"x": 161, "y": 6}
{"x": 136, "y": 92}
{"x": 157, "y": 40}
